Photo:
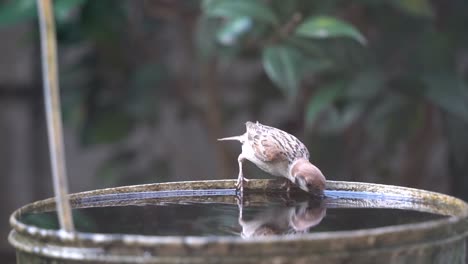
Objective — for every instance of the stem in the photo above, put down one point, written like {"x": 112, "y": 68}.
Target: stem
{"x": 53, "y": 114}
{"x": 285, "y": 30}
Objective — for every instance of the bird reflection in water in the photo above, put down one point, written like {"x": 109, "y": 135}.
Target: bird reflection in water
{"x": 296, "y": 219}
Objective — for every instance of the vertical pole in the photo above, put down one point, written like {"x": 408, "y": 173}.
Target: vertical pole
{"x": 53, "y": 113}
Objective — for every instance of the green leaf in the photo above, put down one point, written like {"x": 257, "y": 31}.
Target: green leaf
{"x": 328, "y": 27}
{"x": 16, "y": 11}
{"x": 62, "y": 8}
{"x": 256, "y": 10}
{"x": 316, "y": 65}
{"x": 365, "y": 85}
{"x": 283, "y": 65}
{"x": 336, "y": 120}
{"x": 322, "y": 99}
{"x": 233, "y": 29}
{"x": 449, "y": 92}
{"x": 380, "y": 117}
{"x": 310, "y": 47}
{"x": 421, "y": 8}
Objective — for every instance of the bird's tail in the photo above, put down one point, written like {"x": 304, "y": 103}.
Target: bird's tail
{"x": 238, "y": 138}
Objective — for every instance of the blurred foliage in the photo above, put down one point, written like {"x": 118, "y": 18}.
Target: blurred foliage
{"x": 305, "y": 43}
{"x": 382, "y": 68}
{"x": 105, "y": 92}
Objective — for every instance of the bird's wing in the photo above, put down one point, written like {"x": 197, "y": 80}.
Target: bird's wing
{"x": 268, "y": 150}
{"x": 266, "y": 147}
{"x": 272, "y": 144}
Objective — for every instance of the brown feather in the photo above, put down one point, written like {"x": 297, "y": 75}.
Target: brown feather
{"x": 271, "y": 144}
{"x": 267, "y": 151}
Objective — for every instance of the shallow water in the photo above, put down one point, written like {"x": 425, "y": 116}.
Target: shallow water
{"x": 221, "y": 216}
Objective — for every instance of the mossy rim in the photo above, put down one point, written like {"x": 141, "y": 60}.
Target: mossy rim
{"x": 94, "y": 246}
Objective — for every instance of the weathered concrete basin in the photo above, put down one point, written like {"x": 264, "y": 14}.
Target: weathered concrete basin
{"x": 434, "y": 241}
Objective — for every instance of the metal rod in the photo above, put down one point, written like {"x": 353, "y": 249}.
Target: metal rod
{"x": 53, "y": 113}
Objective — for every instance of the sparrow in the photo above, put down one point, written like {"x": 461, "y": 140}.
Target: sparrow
{"x": 280, "y": 154}
{"x": 289, "y": 220}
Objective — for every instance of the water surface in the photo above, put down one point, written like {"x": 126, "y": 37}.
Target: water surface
{"x": 220, "y": 215}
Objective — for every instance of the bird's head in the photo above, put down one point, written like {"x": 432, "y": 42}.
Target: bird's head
{"x": 308, "y": 177}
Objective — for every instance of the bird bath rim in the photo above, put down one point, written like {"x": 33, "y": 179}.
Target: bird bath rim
{"x": 455, "y": 226}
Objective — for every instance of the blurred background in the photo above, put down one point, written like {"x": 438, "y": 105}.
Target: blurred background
{"x": 376, "y": 89}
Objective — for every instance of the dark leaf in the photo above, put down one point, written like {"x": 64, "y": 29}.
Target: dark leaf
{"x": 316, "y": 65}
{"x": 283, "y": 65}
{"x": 307, "y": 46}
{"x": 62, "y": 8}
{"x": 256, "y": 10}
{"x": 365, "y": 85}
{"x": 421, "y": 8}
{"x": 449, "y": 92}
{"x": 322, "y": 99}
{"x": 336, "y": 120}
{"x": 382, "y": 114}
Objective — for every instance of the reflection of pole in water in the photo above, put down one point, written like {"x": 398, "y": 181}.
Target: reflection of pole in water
{"x": 53, "y": 115}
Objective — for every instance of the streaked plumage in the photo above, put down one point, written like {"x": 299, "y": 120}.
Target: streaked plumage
{"x": 280, "y": 154}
